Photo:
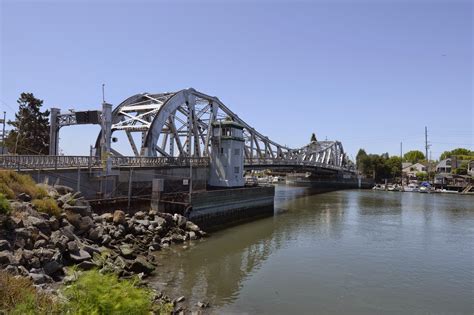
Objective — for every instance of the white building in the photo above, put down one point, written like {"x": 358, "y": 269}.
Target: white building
{"x": 227, "y": 155}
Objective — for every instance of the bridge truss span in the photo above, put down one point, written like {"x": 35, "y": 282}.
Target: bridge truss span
{"x": 178, "y": 125}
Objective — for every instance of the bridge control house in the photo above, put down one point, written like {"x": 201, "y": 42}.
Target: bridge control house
{"x": 227, "y": 155}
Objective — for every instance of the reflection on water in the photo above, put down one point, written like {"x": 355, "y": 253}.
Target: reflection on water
{"x": 347, "y": 251}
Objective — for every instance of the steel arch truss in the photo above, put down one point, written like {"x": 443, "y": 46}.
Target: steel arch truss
{"x": 177, "y": 125}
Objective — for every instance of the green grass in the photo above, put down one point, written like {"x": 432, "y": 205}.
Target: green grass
{"x": 18, "y": 296}
{"x": 96, "y": 293}
{"x": 13, "y": 183}
{"x": 5, "y": 207}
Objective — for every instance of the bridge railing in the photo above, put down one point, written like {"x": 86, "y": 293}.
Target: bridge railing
{"x": 20, "y": 162}
{"x": 289, "y": 162}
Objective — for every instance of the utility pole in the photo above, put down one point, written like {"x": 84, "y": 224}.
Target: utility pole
{"x": 401, "y": 164}
{"x": 427, "y": 146}
{"x": 426, "y": 142}
{"x": 3, "y": 132}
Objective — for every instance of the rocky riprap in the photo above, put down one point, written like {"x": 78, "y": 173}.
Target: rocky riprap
{"x": 40, "y": 246}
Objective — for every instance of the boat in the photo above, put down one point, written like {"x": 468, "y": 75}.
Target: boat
{"x": 277, "y": 179}
{"x": 411, "y": 188}
{"x": 378, "y": 187}
{"x": 425, "y": 187}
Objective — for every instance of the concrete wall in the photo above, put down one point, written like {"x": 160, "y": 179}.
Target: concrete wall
{"x": 221, "y": 207}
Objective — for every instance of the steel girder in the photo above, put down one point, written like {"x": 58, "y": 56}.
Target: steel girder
{"x": 177, "y": 125}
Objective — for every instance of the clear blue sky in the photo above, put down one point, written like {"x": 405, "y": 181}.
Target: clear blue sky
{"x": 367, "y": 73}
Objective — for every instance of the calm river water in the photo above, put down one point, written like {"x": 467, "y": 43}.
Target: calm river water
{"x": 364, "y": 252}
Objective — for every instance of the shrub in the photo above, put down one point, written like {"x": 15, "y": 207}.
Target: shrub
{"x": 4, "y": 205}
{"x": 47, "y": 205}
{"x": 96, "y": 293}
{"x": 13, "y": 183}
{"x": 19, "y": 296}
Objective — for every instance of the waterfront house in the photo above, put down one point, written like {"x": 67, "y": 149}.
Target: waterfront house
{"x": 470, "y": 168}
{"x": 410, "y": 170}
{"x": 444, "y": 166}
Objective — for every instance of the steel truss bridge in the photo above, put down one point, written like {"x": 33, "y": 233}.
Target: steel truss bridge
{"x": 173, "y": 129}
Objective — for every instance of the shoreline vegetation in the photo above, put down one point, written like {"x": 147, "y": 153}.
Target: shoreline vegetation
{"x": 59, "y": 257}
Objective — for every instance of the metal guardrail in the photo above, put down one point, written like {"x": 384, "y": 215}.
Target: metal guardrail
{"x": 280, "y": 162}
{"x": 20, "y": 162}
{"x": 23, "y": 162}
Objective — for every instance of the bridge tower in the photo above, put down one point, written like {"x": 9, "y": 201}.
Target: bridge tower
{"x": 227, "y": 155}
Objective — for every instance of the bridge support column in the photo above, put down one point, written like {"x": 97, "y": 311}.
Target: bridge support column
{"x": 156, "y": 189}
{"x": 54, "y": 131}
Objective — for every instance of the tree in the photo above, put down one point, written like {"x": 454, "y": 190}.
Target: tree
{"x": 361, "y": 155}
{"x": 394, "y": 164}
{"x": 458, "y": 151}
{"x": 30, "y": 133}
{"x": 413, "y": 156}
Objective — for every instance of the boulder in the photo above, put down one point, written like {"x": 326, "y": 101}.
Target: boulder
{"x": 40, "y": 278}
{"x": 53, "y": 224}
{"x": 140, "y": 264}
{"x": 140, "y": 215}
{"x": 95, "y": 234}
{"x": 119, "y": 217}
{"x": 65, "y": 199}
{"x": 86, "y": 265}
{"x": 6, "y": 258}
{"x": 72, "y": 246}
{"x": 106, "y": 239}
{"x": 52, "y": 267}
{"x": 126, "y": 250}
{"x": 192, "y": 227}
{"x": 83, "y": 211}
{"x": 85, "y": 224}
{"x": 180, "y": 220}
{"x": 192, "y": 235}
{"x": 59, "y": 240}
{"x": 24, "y": 197}
{"x": 176, "y": 238}
{"x": 4, "y": 245}
{"x": 73, "y": 218}
{"x": 68, "y": 231}
{"x": 80, "y": 256}
{"x": 92, "y": 249}
{"x": 107, "y": 217}
{"x": 40, "y": 243}
{"x": 63, "y": 189}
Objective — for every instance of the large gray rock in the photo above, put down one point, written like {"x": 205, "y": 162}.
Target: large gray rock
{"x": 141, "y": 264}
{"x": 73, "y": 218}
{"x": 54, "y": 223}
{"x": 24, "y": 197}
{"x": 140, "y": 215}
{"x": 65, "y": 199}
{"x": 85, "y": 224}
{"x": 190, "y": 226}
{"x": 96, "y": 233}
{"x": 72, "y": 246}
{"x": 107, "y": 217}
{"x": 4, "y": 245}
{"x": 126, "y": 250}
{"x": 80, "y": 256}
{"x": 63, "y": 189}
{"x": 39, "y": 278}
{"x": 180, "y": 220}
{"x": 6, "y": 258}
{"x": 52, "y": 267}
{"x": 83, "y": 211}
{"x": 68, "y": 231}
